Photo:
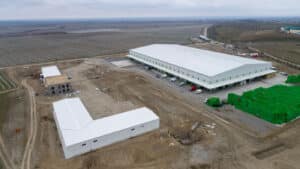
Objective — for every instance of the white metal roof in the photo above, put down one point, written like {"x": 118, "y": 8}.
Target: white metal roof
{"x": 50, "y": 71}
{"x": 202, "y": 61}
{"x": 204, "y": 37}
{"x": 71, "y": 114}
{"x": 76, "y": 125}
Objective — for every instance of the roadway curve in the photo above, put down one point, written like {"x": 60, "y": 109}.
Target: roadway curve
{"x": 26, "y": 161}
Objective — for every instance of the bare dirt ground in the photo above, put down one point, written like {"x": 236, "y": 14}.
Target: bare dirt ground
{"x": 115, "y": 90}
{"x": 265, "y": 36}
{"x": 289, "y": 50}
{"x": 14, "y": 129}
{"x": 137, "y": 152}
{"x": 37, "y": 48}
{"x": 107, "y": 89}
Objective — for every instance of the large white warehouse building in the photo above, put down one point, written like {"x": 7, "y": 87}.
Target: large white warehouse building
{"x": 205, "y": 68}
{"x": 79, "y": 133}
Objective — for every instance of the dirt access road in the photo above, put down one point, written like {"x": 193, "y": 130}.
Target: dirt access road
{"x": 33, "y": 127}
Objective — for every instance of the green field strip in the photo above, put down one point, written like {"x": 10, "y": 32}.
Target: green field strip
{"x": 2, "y": 87}
{"x": 12, "y": 84}
{"x": 4, "y": 82}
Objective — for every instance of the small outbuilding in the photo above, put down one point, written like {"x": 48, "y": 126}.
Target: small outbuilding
{"x": 50, "y": 71}
{"x": 204, "y": 38}
{"x": 291, "y": 29}
{"x": 57, "y": 85}
{"x": 79, "y": 133}
{"x": 54, "y": 81}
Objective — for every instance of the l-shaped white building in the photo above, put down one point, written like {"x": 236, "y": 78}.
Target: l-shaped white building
{"x": 205, "y": 68}
{"x": 79, "y": 133}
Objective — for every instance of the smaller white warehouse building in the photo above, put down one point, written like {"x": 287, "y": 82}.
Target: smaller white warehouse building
{"x": 205, "y": 68}
{"x": 79, "y": 133}
{"x": 50, "y": 71}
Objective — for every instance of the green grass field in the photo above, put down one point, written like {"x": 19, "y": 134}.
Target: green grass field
{"x": 278, "y": 104}
{"x": 5, "y": 83}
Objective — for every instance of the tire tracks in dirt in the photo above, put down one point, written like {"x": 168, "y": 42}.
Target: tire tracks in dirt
{"x": 26, "y": 161}
{"x": 6, "y": 161}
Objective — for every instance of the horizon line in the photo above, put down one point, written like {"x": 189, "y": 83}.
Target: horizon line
{"x": 157, "y": 18}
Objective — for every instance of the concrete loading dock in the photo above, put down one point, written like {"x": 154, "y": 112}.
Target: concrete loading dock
{"x": 210, "y": 70}
{"x": 79, "y": 133}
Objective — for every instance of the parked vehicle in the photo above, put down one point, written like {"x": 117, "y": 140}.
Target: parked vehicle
{"x": 254, "y": 55}
{"x": 193, "y": 88}
{"x": 198, "y": 91}
{"x": 182, "y": 83}
{"x": 274, "y": 68}
{"x": 164, "y": 75}
{"x": 284, "y": 73}
{"x": 173, "y": 79}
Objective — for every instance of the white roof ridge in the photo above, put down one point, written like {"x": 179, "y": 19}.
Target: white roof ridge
{"x": 195, "y": 59}
{"x": 49, "y": 71}
{"x": 73, "y": 119}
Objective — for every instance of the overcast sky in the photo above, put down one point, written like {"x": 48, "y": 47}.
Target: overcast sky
{"x": 64, "y": 9}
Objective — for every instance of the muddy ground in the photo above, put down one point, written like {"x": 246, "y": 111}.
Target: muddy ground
{"x": 125, "y": 91}
{"x": 225, "y": 146}
{"x": 106, "y": 89}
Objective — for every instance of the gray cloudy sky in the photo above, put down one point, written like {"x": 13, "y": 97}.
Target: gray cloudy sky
{"x": 52, "y": 9}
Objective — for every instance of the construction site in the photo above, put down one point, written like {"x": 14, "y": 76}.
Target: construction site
{"x": 145, "y": 110}
{"x": 191, "y": 134}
